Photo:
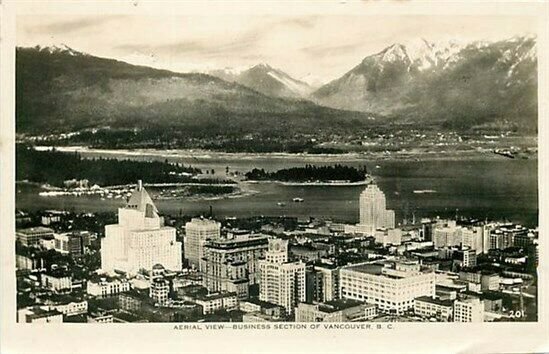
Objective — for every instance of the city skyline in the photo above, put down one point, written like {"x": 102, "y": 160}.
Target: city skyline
{"x": 323, "y": 176}
{"x": 259, "y": 277}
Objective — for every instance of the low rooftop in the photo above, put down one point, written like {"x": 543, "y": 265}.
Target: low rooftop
{"x": 341, "y": 304}
{"x": 209, "y": 297}
{"x": 263, "y": 304}
{"x": 437, "y": 301}
{"x": 35, "y": 230}
{"x": 38, "y": 312}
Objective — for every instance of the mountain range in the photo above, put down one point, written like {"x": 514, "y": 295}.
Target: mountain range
{"x": 459, "y": 85}
{"x": 59, "y": 90}
{"x": 267, "y": 80}
{"x": 478, "y": 84}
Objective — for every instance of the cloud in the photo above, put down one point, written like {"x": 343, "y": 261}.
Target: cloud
{"x": 303, "y": 22}
{"x": 72, "y": 25}
{"x": 178, "y": 47}
{"x": 319, "y": 50}
{"x": 237, "y": 44}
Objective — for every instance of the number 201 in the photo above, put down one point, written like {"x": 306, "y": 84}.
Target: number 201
{"x": 516, "y": 314}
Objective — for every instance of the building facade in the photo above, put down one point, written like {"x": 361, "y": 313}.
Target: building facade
{"x": 426, "y": 306}
{"x": 322, "y": 283}
{"x": 39, "y": 314}
{"x": 282, "y": 282}
{"x": 56, "y": 281}
{"x": 335, "y": 311}
{"x": 72, "y": 308}
{"x": 197, "y": 232}
{"x": 32, "y": 236}
{"x": 506, "y": 235}
{"x": 107, "y": 287}
{"x": 159, "y": 289}
{"x": 140, "y": 239}
{"x": 469, "y": 309}
{"x": 373, "y": 211}
{"x": 388, "y": 236}
{"x": 392, "y": 286}
{"x": 215, "y": 302}
{"x": 233, "y": 264}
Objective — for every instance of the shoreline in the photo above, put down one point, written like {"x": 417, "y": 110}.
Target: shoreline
{"x": 120, "y": 190}
{"x": 477, "y": 154}
{"x": 306, "y": 184}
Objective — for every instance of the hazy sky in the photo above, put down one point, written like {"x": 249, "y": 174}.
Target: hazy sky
{"x": 311, "y": 48}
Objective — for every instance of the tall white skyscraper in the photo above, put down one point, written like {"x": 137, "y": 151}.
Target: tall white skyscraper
{"x": 197, "y": 232}
{"x": 282, "y": 282}
{"x": 373, "y": 211}
{"x": 139, "y": 240}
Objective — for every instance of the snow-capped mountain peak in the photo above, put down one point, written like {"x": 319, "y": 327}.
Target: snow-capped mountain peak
{"x": 59, "y": 48}
{"x": 266, "y": 79}
{"x": 420, "y": 53}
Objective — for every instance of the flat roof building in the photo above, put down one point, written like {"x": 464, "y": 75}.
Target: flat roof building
{"x": 32, "y": 236}
{"x": 426, "y": 306}
{"x": 197, "y": 232}
{"x": 468, "y": 309}
{"x": 233, "y": 264}
{"x": 345, "y": 310}
{"x": 391, "y": 285}
{"x": 39, "y": 314}
{"x": 282, "y": 282}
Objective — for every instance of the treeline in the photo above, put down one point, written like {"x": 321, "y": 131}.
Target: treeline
{"x": 55, "y": 167}
{"x": 310, "y": 173}
{"x": 177, "y": 139}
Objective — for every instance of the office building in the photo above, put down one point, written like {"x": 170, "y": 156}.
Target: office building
{"x": 69, "y": 243}
{"x": 197, "y": 232}
{"x": 335, "y": 311}
{"x": 507, "y": 235}
{"x": 427, "y": 229}
{"x": 473, "y": 237}
{"x": 71, "y": 308}
{"x": 100, "y": 316}
{"x": 446, "y": 233}
{"x": 57, "y": 281}
{"x": 107, "y": 286}
{"x": 430, "y": 307}
{"x": 464, "y": 257}
{"x": 231, "y": 264}
{"x": 486, "y": 279}
{"x": 322, "y": 283}
{"x": 214, "y": 302}
{"x": 388, "y": 236}
{"x": 468, "y": 309}
{"x": 373, "y": 211}
{"x": 140, "y": 239}
{"x": 32, "y": 236}
{"x": 391, "y": 285}
{"x": 159, "y": 289}
{"x": 282, "y": 282}
{"x": 39, "y": 314}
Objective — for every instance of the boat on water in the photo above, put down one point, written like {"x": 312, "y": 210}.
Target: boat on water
{"x": 298, "y": 200}
{"x": 424, "y": 191}
{"x": 281, "y": 204}
{"x": 505, "y": 153}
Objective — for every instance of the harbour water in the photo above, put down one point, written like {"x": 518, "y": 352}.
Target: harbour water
{"x": 493, "y": 188}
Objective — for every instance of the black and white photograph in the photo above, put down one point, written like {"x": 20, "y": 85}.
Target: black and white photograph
{"x": 275, "y": 169}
